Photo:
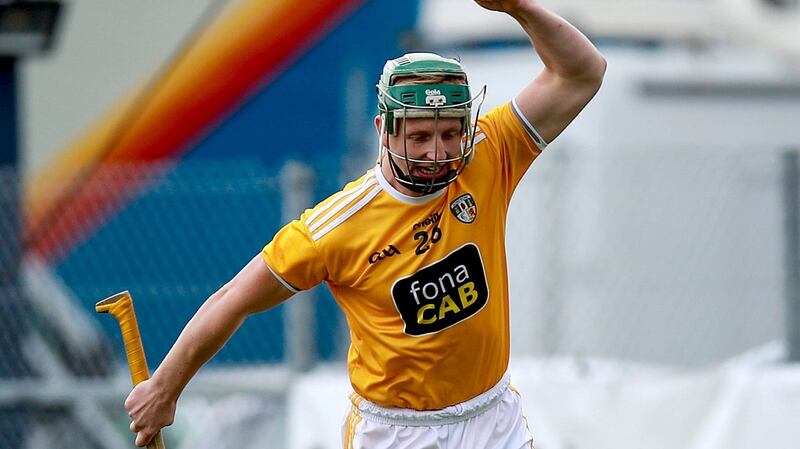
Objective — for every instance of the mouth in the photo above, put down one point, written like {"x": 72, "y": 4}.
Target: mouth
{"x": 429, "y": 172}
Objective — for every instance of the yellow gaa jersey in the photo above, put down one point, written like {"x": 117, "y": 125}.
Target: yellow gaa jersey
{"x": 422, "y": 280}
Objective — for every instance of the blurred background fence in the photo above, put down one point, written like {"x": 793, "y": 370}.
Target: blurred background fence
{"x": 671, "y": 258}
{"x": 653, "y": 248}
{"x": 668, "y": 257}
{"x": 183, "y": 232}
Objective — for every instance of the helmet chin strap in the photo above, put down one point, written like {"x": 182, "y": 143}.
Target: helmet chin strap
{"x": 420, "y": 185}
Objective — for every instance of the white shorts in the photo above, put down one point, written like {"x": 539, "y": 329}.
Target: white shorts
{"x": 491, "y": 420}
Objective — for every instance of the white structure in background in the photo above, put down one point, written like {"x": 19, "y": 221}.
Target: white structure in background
{"x": 771, "y": 24}
{"x": 650, "y": 230}
{"x": 774, "y": 24}
{"x": 742, "y": 404}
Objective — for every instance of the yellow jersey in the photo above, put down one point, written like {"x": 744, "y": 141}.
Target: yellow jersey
{"x": 422, "y": 280}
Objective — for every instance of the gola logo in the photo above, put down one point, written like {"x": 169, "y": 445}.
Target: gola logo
{"x": 389, "y": 251}
{"x": 433, "y": 92}
{"x": 435, "y": 100}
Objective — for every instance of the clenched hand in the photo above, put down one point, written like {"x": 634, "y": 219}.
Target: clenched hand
{"x": 150, "y": 410}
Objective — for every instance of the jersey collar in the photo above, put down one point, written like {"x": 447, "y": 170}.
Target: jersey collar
{"x": 414, "y": 200}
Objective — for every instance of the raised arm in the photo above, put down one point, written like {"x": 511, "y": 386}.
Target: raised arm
{"x": 151, "y": 404}
{"x": 573, "y": 67}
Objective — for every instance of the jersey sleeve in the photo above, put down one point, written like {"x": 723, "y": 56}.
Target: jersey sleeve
{"x": 513, "y": 142}
{"x": 294, "y": 259}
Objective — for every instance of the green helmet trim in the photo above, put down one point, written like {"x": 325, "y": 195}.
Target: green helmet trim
{"x": 425, "y": 96}
{"x": 426, "y": 100}
{"x": 421, "y": 100}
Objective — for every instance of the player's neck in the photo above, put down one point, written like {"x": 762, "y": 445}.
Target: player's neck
{"x": 388, "y": 175}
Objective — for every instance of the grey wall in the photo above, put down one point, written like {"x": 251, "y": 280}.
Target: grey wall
{"x": 104, "y": 49}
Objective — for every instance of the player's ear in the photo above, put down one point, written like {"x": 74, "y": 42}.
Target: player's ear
{"x": 378, "y": 129}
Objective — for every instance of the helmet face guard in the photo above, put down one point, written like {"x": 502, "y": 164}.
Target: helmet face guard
{"x": 429, "y": 101}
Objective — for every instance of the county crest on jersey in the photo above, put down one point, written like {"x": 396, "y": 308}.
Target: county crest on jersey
{"x": 421, "y": 280}
{"x": 464, "y": 208}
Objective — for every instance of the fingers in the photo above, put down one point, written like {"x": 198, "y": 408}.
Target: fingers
{"x": 148, "y": 412}
{"x": 500, "y": 5}
{"x": 142, "y": 438}
{"x": 145, "y": 433}
{"x": 491, "y": 5}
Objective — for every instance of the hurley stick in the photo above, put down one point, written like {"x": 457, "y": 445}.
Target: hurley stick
{"x": 120, "y": 306}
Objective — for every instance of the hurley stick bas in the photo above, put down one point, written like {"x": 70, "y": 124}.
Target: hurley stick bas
{"x": 120, "y": 306}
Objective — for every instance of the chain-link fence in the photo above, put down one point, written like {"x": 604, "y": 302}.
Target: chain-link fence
{"x": 170, "y": 234}
{"x": 12, "y": 306}
{"x": 672, "y": 256}
{"x": 187, "y": 232}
